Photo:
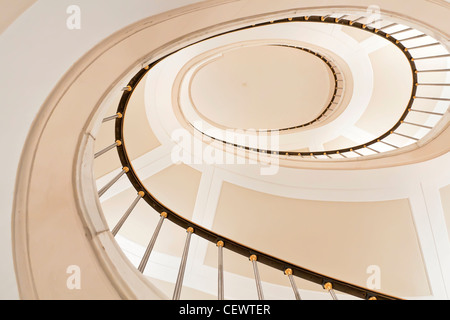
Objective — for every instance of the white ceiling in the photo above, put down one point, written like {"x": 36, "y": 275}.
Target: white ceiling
{"x": 262, "y": 87}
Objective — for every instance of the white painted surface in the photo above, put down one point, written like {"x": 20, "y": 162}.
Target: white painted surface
{"x": 35, "y": 55}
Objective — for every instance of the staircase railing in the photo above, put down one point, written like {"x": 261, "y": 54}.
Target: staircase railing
{"x": 255, "y": 256}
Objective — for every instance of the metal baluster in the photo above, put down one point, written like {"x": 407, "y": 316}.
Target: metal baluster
{"x": 388, "y": 144}
{"x": 220, "y": 286}
{"x": 117, "y": 115}
{"x": 288, "y": 272}
{"x": 388, "y": 26}
{"x": 425, "y": 45}
{"x": 353, "y": 21}
{"x": 115, "y": 144}
{"x": 375, "y": 21}
{"x": 404, "y": 135}
{"x": 127, "y": 213}
{"x": 397, "y": 32}
{"x": 433, "y": 84}
{"x": 340, "y": 18}
{"x": 329, "y": 287}
{"x": 372, "y": 149}
{"x": 415, "y": 37}
{"x": 253, "y": 259}
{"x": 179, "y": 283}
{"x": 432, "y": 57}
{"x": 433, "y": 70}
{"x": 114, "y": 180}
{"x": 417, "y": 124}
{"x": 432, "y": 98}
{"x": 427, "y": 112}
{"x": 151, "y": 244}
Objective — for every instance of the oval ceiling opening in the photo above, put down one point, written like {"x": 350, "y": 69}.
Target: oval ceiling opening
{"x": 262, "y": 87}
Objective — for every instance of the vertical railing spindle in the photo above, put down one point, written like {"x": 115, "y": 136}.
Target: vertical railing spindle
{"x": 220, "y": 286}
{"x": 114, "y": 180}
{"x": 179, "y": 283}
{"x": 118, "y": 115}
{"x": 152, "y": 242}
{"x": 329, "y": 287}
{"x": 118, "y": 143}
{"x": 253, "y": 259}
{"x": 288, "y": 272}
{"x": 127, "y": 213}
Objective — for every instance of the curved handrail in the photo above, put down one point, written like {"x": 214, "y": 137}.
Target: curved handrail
{"x": 211, "y": 236}
{"x": 326, "y": 281}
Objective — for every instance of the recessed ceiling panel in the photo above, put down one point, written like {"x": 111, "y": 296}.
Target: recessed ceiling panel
{"x": 262, "y": 87}
{"x": 345, "y": 240}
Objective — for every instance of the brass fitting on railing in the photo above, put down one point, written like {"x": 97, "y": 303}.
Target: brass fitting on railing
{"x": 141, "y": 194}
{"x": 288, "y": 272}
{"x": 329, "y": 287}
{"x": 163, "y": 214}
{"x": 190, "y": 230}
{"x": 253, "y": 257}
{"x": 220, "y": 243}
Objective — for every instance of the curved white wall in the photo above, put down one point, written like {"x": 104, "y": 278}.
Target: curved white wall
{"x": 38, "y": 49}
{"x": 35, "y": 55}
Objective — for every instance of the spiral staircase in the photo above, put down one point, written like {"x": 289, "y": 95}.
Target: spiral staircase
{"x": 234, "y": 150}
